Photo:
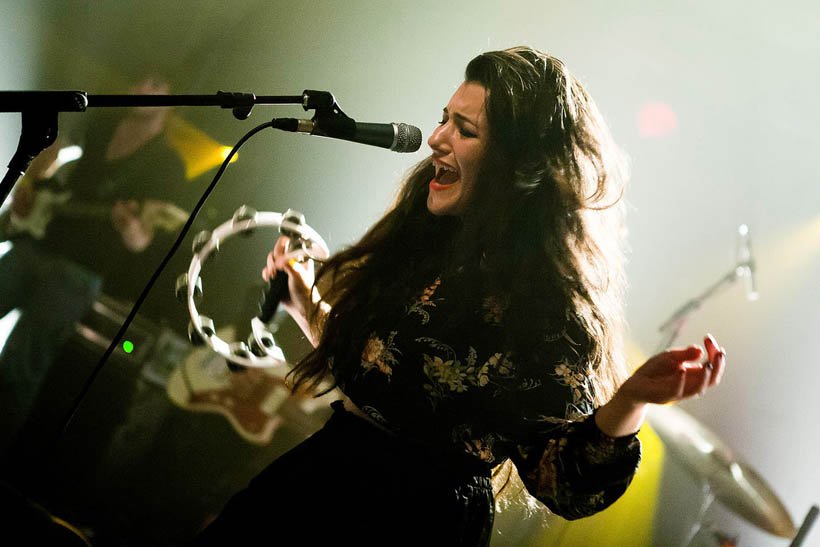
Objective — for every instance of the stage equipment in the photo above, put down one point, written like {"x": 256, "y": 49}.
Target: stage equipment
{"x": 745, "y": 263}
{"x": 744, "y": 267}
{"x": 39, "y": 112}
{"x": 260, "y": 350}
{"x": 396, "y": 137}
{"x": 198, "y": 151}
{"x": 730, "y": 480}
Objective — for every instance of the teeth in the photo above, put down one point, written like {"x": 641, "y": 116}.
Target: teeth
{"x": 440, "y": 168}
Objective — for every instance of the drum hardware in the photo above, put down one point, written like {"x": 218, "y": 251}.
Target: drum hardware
{"x": 260, "y": 349}
{"x": 725, "y": 477}
{"x": 811, "y": 516}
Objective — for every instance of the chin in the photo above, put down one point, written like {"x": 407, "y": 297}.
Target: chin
{"x": 443, "y": 207}
{"x": 440, "y": 210}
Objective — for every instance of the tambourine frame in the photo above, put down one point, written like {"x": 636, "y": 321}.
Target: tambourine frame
{"x": 262, "y": 350}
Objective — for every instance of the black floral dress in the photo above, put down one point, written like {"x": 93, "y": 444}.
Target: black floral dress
{"x": 457, "y": 405}
{"x": 440, "y": 376}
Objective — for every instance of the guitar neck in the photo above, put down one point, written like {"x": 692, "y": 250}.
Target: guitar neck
{"x": 80, "y": 210}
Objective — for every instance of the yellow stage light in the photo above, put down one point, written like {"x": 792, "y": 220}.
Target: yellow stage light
{"x": 198, "y": 151}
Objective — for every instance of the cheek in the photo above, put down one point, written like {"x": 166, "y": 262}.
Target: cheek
{"x": 471, "y": 166}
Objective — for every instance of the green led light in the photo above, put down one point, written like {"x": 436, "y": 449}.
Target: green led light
{"x": 128, "y": 346}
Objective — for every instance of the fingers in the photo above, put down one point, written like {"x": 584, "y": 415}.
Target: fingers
{"x": 280, "y": 250}
{"x": 691, "y": 353}
{"x": 705, "y": 379}
{"x": 301, "y": 270}
{"x": 270, "y": 267}
{"x": 300, "y": 275}
{"x": 711, "y": 346}
{"x": 119, "y": 214}
{"x": 132, "y": 207}
{"x": 276, "y": 259}
{"x": 672, "y": 360}
{"x": 718, "y": 364}
{"x": 125, "y": 210}
{"x": 702, "y": 376}
{"x": 678, "y": 374}
{"x": 716, "y": 356}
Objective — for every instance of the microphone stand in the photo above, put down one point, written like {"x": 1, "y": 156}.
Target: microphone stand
{"x": 39, "y": 111}
{"x": 674, "y": 324}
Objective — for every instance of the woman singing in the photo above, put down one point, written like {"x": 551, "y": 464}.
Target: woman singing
{"x": 479, "y": 321}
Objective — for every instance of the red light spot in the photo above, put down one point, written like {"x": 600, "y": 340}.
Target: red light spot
{"x": 656, "y": 120}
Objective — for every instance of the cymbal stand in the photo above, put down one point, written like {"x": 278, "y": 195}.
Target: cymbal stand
{"x": 811, "y": 516}
{"x": 708, "y": 500}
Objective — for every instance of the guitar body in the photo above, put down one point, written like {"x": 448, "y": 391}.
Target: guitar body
{"x": 249, "y": 400}
{"x": 36, "y": 222}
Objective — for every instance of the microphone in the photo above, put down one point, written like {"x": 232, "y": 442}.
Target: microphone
{"x": 398, "y": 137}
{"x": 746, "y": 264}
{"x": 278, "y": 286}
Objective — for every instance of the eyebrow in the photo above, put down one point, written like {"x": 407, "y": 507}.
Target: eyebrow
{"x": 461, "y": 117}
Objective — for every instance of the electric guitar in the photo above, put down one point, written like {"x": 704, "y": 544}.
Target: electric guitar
{"x": 49, "y": 204}
{"x": 256, "y": 401}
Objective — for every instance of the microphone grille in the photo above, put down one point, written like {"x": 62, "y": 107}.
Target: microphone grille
{"x": 408, "y": 138}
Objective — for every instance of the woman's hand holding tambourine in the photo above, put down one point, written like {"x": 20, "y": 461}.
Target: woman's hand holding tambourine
{"x": 300, "y": 299}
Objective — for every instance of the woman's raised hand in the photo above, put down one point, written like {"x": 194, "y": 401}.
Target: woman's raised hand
{"x": 677, "y": 374}
{"x": 300, "y": 280}
{"x": 669, "y": 376}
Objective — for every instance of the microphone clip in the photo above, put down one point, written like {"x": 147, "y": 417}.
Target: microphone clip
{"x": 329, "y": 119}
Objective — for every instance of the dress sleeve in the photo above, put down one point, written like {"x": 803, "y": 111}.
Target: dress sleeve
{"x": 562, "y": 457}
{"x": 575, "y": 469}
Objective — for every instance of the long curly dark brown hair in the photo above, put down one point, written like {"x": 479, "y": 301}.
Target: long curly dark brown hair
{"x": 542, "y": 228}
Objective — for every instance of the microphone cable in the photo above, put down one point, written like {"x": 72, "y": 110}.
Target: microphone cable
{"x": 72, "y": 411}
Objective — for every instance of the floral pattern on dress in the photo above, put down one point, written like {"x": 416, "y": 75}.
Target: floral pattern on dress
{"x": 425, "y": 301}
{"x": 542, "y": 479}
{"x": 456, "y": 376}
{"x": 564, "y": 474}
{"x": 445, "y": 358}
{"x": 578, "y": 384}
{"x": 493, "y": 310}
{"x": 379, "y": 354}
{"x": 448, "y": 373}
{"x": 479, "y": 446}
{"x": 601, "y": 452}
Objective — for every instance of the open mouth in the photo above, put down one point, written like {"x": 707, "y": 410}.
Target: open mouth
{"x": 445, "y": 175}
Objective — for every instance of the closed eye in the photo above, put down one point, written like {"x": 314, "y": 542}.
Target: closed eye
{"x": 461, "y": 129}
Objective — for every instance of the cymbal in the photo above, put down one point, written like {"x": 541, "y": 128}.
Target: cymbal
{"x": 733, "y": 482}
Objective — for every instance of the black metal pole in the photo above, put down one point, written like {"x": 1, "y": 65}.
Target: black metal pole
{"x": 811, "y": 516}
{"x": 40, "y": 108}
{"x": 79, "y": 101}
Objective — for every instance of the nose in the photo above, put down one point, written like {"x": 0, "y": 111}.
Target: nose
{"x": 438, "y": 139}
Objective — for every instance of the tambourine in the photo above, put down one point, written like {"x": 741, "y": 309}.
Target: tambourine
{"x": 260, "y": 350}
